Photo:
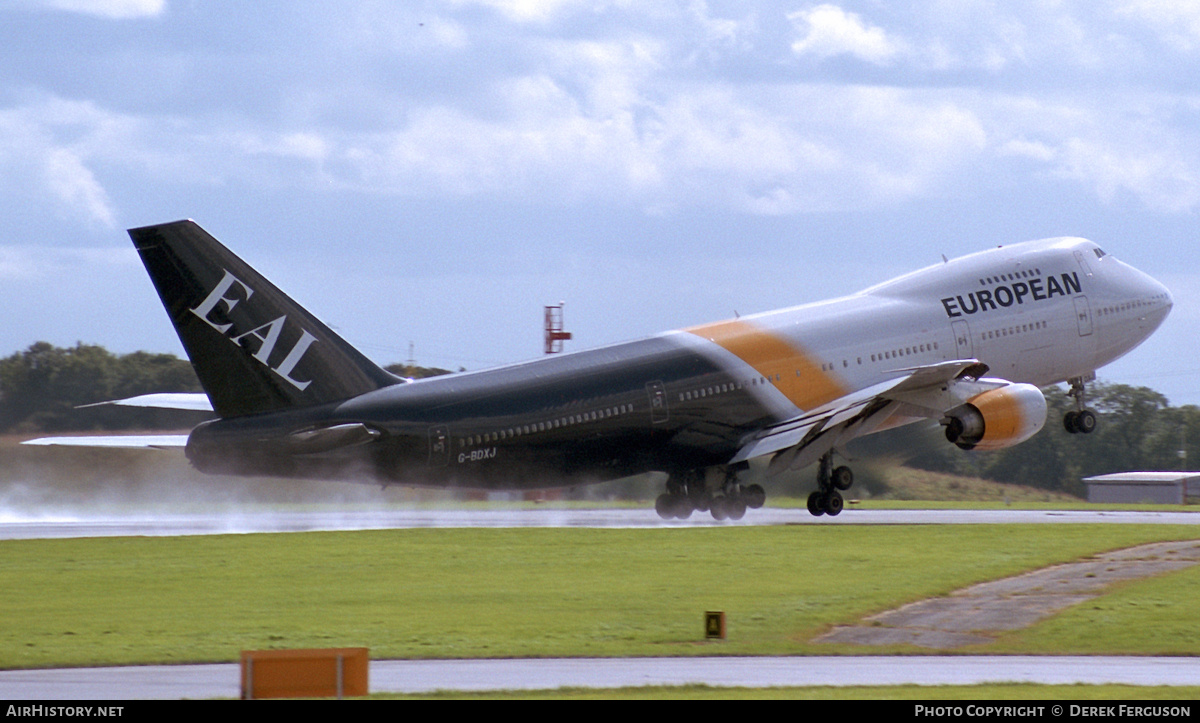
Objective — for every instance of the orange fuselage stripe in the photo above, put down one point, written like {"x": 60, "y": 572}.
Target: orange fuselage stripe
{"x": 790, "y": 369}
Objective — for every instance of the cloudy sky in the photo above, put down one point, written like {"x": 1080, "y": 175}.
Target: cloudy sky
{"x": 435, "y": 172}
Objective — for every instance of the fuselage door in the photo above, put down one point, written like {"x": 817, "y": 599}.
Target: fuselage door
{"x": 962, "y": 340}
{"x": 657, "y": 392}
{"x": 1083, "y": 264}
{"x": 439, "y": 446}
{"x": 1083, "y": 315}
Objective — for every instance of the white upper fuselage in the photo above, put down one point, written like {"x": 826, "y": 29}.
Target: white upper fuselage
{"x": 1038, "y": 312}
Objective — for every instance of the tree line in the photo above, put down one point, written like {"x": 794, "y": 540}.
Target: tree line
{"x": 42, "y": 388}
{"x": 1137, "y": 430}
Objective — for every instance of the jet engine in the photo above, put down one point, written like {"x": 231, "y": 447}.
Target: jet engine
{"x": 997, "y": 418}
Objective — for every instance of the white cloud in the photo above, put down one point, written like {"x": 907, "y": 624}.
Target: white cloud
{"x": 619, "y": 138}
{"x": 386, "y": 28}
{"x": 46, "y": 148}
{"x": 67, "y": 177}
{"x": 1123, "y": 145}
{"x": 828, "y": 31}
{"x": 115, "y": 9}
{"x": 1177, "y": 21}
{"x": 624, "y": 116}
{"x": 1158, "y": 177}
{"x": 531, "y": 11}
{"x": 38, "y": 264}
{"x": 1032, "y": 150}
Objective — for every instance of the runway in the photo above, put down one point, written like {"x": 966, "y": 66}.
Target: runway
{"x": 427, "y": 676}
{"x": 63, "y": 525}
{"x": 411, "y": 676}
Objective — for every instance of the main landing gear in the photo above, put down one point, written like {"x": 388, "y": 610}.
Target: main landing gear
{"x": 688, "y": 492}
{"x": 1080, "y": 420}
{"x": 827, "y": 500}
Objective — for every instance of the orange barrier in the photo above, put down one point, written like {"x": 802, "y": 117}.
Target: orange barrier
{"x": 312, "y": 673}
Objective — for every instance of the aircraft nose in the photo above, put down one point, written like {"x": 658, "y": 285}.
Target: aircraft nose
{"x": 1160, "y": 300}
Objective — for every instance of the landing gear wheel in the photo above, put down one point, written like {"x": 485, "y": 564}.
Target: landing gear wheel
{"x": 664, "y": 507}
{"x": 842, "y": 478}
{"x": 827, "y": 500}
{"x": 1080, "y": 420}
{"x": 816, "y": 505}
{"x": 688, "y": 492}
{"x": 673, "y": 506}
{"x": 719, "y": 508}
{"x": 833, "y": 503}
{"x": 735, "y": 507}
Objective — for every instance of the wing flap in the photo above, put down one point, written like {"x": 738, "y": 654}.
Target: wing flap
{"x": 924, "y": 391}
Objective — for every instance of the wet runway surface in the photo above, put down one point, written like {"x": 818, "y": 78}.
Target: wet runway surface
{"x": 425, "y": 676}
{"x": 15, "y": 526}
{"x": 407, "y": 676}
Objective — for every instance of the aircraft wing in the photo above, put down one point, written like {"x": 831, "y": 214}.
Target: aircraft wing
{"x": 195, "y": 402}
{"x": 926, "y": 391}
{"x": 128, "y": 441}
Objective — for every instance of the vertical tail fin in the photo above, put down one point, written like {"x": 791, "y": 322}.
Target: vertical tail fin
{"x": 254, "y": 349}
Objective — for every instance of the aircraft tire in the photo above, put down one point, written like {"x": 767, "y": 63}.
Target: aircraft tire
{"x": 719, "y": 508}
{"x": 833, "y": 503}
{"x": 1085, "y": 422}
{"x": 842, "y": 478}
{"x": 1071, "y": 422}
{"x": 735, "y": 507}
{"x": 664, "y": 506}
{"x": 816, "y": 506}
{"x": 683, "y": 508}
{"x": 755, "y": 496}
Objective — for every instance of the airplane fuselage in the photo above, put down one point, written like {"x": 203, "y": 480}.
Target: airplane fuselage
{"x": 1035, "y": 313}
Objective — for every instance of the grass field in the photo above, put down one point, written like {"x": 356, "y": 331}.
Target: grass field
{"x": 435, "y": 593}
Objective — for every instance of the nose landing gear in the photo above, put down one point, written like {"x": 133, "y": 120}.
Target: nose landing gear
{"x": 1081, "y": 420}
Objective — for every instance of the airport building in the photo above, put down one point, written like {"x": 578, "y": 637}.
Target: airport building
{"x": 1143, "y": 487}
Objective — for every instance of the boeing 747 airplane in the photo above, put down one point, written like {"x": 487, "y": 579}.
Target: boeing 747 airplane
{"x": 967, "y": 342}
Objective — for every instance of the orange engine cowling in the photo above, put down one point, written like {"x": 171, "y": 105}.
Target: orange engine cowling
{"x": 997, "y": 418}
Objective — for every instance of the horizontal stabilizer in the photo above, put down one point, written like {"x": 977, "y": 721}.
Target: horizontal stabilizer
{"x": 128, "y": 441}
{"x": 192, "y": 402}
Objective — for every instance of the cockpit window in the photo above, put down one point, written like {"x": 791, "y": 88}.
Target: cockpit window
{"x": 1100, "y": 252}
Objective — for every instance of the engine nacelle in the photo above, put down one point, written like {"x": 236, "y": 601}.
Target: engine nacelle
{"x": 997, "y": 418}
